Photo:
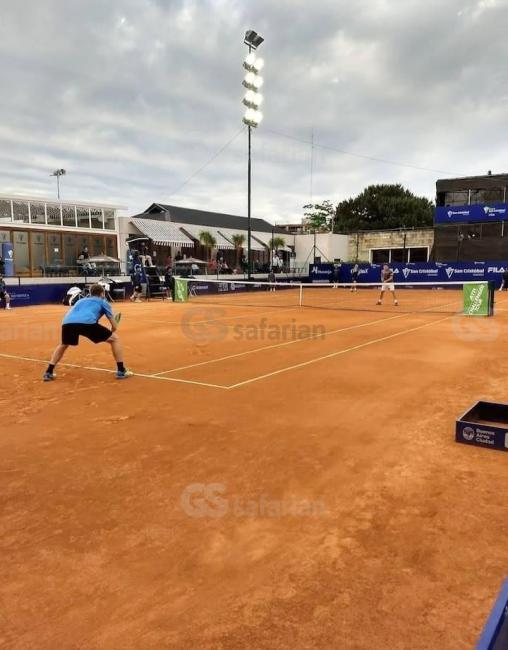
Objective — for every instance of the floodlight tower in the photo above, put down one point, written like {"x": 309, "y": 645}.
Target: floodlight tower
{"x": 58, "y": 173}
{"x": 252, "y": 117}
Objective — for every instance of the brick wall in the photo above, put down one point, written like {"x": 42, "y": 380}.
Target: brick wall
{"x": 365, "y": 241}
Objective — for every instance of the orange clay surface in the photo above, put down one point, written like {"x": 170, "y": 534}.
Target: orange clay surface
{"x": 258, "y": 494}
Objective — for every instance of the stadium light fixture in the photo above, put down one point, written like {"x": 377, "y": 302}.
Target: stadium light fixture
{"x": 253, "y": 99}
{"x": 252, "y": 39}
{"x": 252, "y": 117}
{"x": 58, "y": 173}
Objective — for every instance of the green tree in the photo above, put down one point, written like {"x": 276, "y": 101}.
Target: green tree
{"x": 381, "y": 207}
{"x": 320, "y": 216}
{"x": 208, "y": 241}
{"x": 238, "y": 242}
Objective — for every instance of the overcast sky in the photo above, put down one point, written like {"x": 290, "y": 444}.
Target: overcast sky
{"x": 135, "y": 98}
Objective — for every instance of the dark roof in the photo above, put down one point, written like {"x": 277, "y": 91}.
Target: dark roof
{"x": 163, "y": 212}
{"x": 472, "y": 182}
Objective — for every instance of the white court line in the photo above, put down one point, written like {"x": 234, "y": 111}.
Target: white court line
{"x": 279, "y": 345}
{"x": 309, "y": 338}
{"x": 275, "y": 310}
{"x": 136, "y": 374}
{"x": 338, "y": 353}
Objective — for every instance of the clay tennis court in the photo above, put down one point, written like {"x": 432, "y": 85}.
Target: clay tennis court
{"x": 290, "y": 482}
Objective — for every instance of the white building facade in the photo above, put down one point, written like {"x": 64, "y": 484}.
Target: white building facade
{"x": 47, "y": 236}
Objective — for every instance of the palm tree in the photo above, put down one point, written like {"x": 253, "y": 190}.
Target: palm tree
{"x": 276, "y": 243}
{"x": 207, "y": 240}
{"x": 238, "y": 242}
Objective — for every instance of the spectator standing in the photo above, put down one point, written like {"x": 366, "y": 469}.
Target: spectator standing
{"x": 145, "y": 256}
{"x": 4, "y": 295}
{"x": 168, "y": 280}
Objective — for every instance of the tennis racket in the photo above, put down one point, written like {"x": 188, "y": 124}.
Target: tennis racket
{"x": 118, "y": 317}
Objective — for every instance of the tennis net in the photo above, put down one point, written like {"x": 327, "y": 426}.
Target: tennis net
{"x": 440, "y": 297}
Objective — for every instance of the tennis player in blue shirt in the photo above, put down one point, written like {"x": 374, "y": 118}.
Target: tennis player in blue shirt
{"x": 83, "y": 320}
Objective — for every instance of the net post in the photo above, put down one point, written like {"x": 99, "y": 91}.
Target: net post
{"x": 492, "y": 294}
{"x": 181, "y": 290}
{"x": 301, "y": 295}
{"x": 478, "y": 299}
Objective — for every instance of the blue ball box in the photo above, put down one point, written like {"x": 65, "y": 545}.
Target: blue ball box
{"x": 495, "y": 632}
{"x": 485, "y": 424}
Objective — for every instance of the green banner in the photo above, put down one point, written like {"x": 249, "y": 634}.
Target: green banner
{"x": 181, "y": 290}
{"x": 476, "y": 299}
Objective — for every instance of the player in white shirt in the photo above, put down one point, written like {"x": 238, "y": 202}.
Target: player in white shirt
{"x": 387, "y": 284}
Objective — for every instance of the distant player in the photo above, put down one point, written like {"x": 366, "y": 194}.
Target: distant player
{"x": 504, "y": 283}
{"x": 83, "y": 320}
{"x": 4, "y": 295}
{"x": 336, "y": 274}
{"x": 271, "y": 280}
{"x": 136, "y": 279}
{"x": 387, "y": 285}
{"x": 355, "y": 271}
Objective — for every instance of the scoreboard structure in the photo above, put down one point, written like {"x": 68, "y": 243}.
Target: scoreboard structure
{"x": 471, "y": 219}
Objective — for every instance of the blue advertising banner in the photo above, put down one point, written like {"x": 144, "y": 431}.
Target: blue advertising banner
{"x": 321, "y": 273}
{"x": 431, "y": 272}
{"x": 7, "y": 255}
{"x": 471, "y": 213}
{"x": 39, "y": 294}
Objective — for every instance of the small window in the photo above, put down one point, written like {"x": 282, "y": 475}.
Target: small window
{"x": 418, "y": 254}
{"x": 38, "y": 251}
{"x": 380, "y": 255}
{"x": 399, "y": 255}
{"x": 96, "y": 214}
{"x": 69, "y": 215}
{"x": 5, "y": 210}
{"x": 54, "y": 215}
{"x": 37, "y": 213}
{"x": 109, "y": 219}
{"x": 491, "y": 195}
{"x": 494, "y": 230}
{"x": 83, "y": 217}
{"x": 20, "y": 211}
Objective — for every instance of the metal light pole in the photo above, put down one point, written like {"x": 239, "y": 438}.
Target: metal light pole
{"x": 253, "y": 116}
{"x": 249, "y": 229}
{"x": 58, "y": 173}
{"x": 271, "y": 246}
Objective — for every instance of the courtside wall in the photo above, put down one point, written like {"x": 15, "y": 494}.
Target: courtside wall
{"x": 418, "y": 272}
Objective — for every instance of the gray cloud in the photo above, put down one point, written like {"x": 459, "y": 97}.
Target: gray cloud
{"x": 133, "y": 96}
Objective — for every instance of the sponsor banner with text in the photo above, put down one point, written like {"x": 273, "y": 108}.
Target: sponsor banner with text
{"x": 431, "y": 272}
{"x": 471, "y": 213}
{"x": 41, "y": 294}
